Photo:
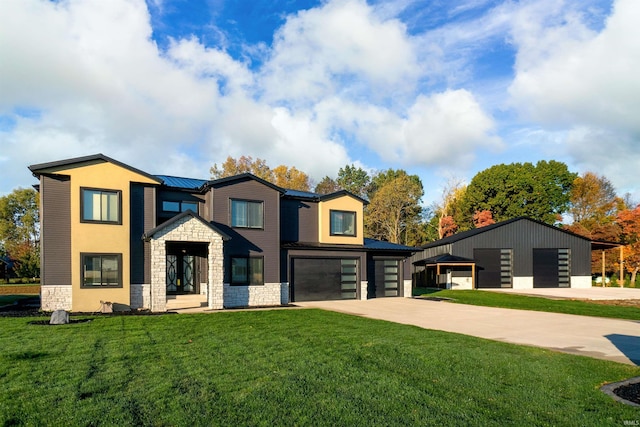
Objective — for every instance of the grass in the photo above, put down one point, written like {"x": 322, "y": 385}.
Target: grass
{"x": 289, "y": 367}
{"x": 523, "y": 302}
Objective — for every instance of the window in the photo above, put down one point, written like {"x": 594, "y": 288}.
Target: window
{"x": 101, "y": 270}
{"x": 246, "y": 214}
{"x": 343, "y": 223}
{"x": 247, "y": 271}
{"x": 100, "y": 205}
{"x": 169, "y": 206}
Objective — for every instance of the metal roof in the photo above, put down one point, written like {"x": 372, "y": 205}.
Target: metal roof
{"x": 380, "y": 245}
{"x": 180, "y": 182}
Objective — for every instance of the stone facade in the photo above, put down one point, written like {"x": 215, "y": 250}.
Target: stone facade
{"x": 188, "y": 229}
{"x": 269, "y": 294}
{"x": 140, "y": 296}
{"x": 54, "y": 298}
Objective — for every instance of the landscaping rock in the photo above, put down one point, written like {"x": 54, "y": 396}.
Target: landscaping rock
{"x": 59, "y": 317}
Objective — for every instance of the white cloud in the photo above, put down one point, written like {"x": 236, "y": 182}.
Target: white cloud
{"x": 341, "y": 46}
{"x": 447, "y": 128}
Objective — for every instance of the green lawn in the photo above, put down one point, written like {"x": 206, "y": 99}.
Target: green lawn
{"x": 289, "y": 367}
{"x": 523, "y": 302}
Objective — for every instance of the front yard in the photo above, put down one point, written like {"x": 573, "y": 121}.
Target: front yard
{"x": 289, "y": 367}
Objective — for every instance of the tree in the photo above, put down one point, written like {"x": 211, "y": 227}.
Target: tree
{"x": 282, "y": 176}
{"x": 483, "y": 218}
{"x": 394, "y": 212}
{"x": 20, "y": 230}
{"x": 291, "y": 178}
{"x": 593, "y": 201}
{"x": 509, "y": 191}
{"x": 327, "y": 186}
{"x": 629, "y": 222}
{"x": 245, "y": 164}
{"x": 354, "y": 180}
{"x": 447, "y": 227}
{"x": 450, "y": 207}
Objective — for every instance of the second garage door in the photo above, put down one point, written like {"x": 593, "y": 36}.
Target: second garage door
{"x": 320, "y": 279}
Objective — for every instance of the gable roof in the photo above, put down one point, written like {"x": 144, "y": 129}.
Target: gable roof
{"x": 244, "y": 177}
{"x": 149, "y": 234}
{"x": 52, "y": 167}
{"x": 470, "y": 233}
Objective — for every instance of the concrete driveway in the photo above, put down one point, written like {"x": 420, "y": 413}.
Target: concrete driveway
{"x": 593, "y": 293}
{"x": 610, "y": 339}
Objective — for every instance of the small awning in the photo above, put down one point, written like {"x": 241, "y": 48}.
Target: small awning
{"x": 599, "y": 245}
{"x": 444, "y": 259}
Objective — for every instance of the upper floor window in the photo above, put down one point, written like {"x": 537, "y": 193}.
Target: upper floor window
{"x": 169, "y": 206}
{"x": 343, "y": 223}
{"x": 101, "y": 205}
{"x": 247, "y": 214}
{"x": 104, "y": 270}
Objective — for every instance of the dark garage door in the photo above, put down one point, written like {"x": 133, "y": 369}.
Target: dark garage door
{"x": 386, "y": 279}
{"x": 488, "y": 264}
{"x": 493, "y": 268}
{"x": 551, "y": 268}
{"x": 320, "y": 279}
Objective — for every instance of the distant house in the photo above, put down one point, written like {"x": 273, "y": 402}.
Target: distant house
{"x": 111, "y": 232}
{"x": 520, "y": 253}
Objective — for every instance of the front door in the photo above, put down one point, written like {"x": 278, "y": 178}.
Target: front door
{"x": 181, "y": 274}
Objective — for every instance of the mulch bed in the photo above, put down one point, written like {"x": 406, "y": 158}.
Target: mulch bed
{"x": 19, "y": 289}
{"x": 629, "y": 392}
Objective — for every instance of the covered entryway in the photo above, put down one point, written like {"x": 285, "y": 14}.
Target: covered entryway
{"x": 184, "y": 267}
{"x": 176, "y": 246}
{"x": 315, "y": 279}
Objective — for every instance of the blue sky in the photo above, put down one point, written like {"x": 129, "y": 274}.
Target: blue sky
{"x": 443, "y": 89}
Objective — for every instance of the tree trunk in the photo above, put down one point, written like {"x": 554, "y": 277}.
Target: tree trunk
{"x": 632, "y": 283}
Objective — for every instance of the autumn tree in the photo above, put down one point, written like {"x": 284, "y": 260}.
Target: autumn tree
{"x": 326, "y": 185}
{"x": 355, "y": 180}
{"x": 20, "y": 230}
{"x": 540, "y": 191}
{"x": 447, "y": 226}
{"x": 244, "y": 164}
{"x": 394, "y": 211}
{"x": 483, "y": 218}
{"x": 450, "y": 207}
{"x": 291, "y": 178}
{"x": 282, "y": 176}
{"x": 629, "y": 222}
{"x": 593, "y": 201}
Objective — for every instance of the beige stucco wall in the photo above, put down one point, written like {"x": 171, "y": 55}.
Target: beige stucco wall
{"x": 345, "y": 203}
{"x": 100, "y": 238}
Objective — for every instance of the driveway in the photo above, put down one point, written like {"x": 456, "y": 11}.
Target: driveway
{"x": 609, "y": 339}
{"x": 593, "y": 293}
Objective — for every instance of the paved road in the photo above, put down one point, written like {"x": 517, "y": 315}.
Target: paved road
{"x": 610, "y": 339}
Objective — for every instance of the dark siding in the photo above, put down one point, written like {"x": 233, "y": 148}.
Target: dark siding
{"x": 149, "y": 224}
{"x": 524, "y": 236}
{"x": 299, "y": 221}
{"x": 250, "y": 242}
{"x": 55, "y": 226}
{"x": 142, "y": 219}
{"x": 430, "y": 252}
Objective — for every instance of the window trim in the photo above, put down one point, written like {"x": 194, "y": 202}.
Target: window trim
{"x": 247, "y": 201}
{"x": 249, "y": 272}
{"x": 101, "y": 190}
{"x": 355, "y": 223}
{"x": 101, "y": 254}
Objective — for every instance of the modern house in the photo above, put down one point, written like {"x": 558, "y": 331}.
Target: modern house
{"x": 111, "y": 233}
{"x": 520, "y": 253}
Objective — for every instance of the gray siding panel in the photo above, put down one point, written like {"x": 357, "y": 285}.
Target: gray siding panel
{"x": 142, "y": 219}
{"x": 149, "y": 224}
{"x": 299, "y": 222}
{"x": 55, "y": 238}
{"x": 250, "y": 242}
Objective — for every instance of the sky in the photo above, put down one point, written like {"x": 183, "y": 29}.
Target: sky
{"x": 442, "y": 89}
